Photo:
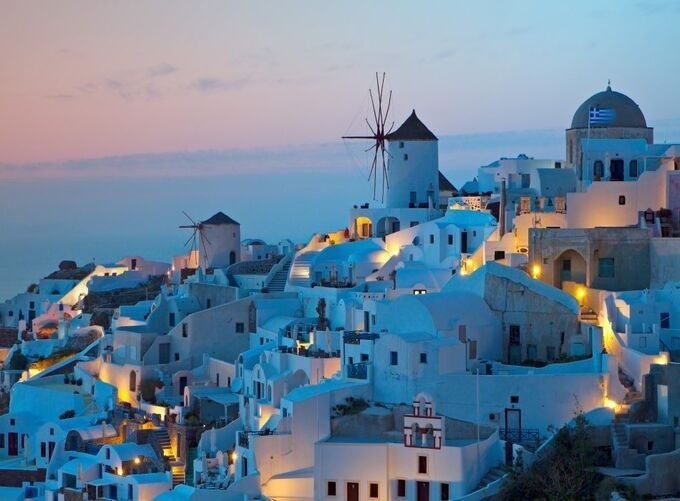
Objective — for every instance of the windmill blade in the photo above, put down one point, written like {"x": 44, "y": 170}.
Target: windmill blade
{"x": 205, "y": 249}
{"x": 375, "y": 114}
{"x": 200, "y": 230}
{"x": 372, "y": 131}
{"x": 189, "y": 218}
{"x": 193, "y": 235}
{"x": 387, "y": 112}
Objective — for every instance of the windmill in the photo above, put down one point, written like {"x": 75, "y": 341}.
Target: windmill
{"x": 378, "y": 135}
{"x": 198, "y": 228}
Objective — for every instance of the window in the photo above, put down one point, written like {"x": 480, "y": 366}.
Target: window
{"x": 43, "y": 449}
{"x": 532, "y": 352}
{"x": 514, "y": 334}
{"x": 240, "y": 328}
{"x": 2, "y": 440}
{"x": 665, "y": 320}
{"x": 373, "y": 490}
{"x": 394, "y": 358}
{"x": 462, "y": 333}
{"x": 401, "y": 488}
{"x": 472, "y": 349}
{"x": 417, "y": 292}
{"x": 566, "y": 265}
{"x": 208, "y": 303}
{"x": 413, "y": 223}
{"x": 185, "y": 330}
{"x": 423, "y": 358}
{"x": 372, "y": 319}
{"x": 598, "y": 170}
{"x": 405, "y": 156}
{"x": 622, "y": 199}
{"x": 12, "y": 422}
{"x": 605, "y": 267}
{"x": 422, "y": 464}
{"x": 176, "y": 356}
{"x": 431, "y": 238}
{"x": 51, "y": 431}
{"x": 401, "y": 144}
{"x": 171, "y": 319}
{"x": 444, "y": 492}
{"x": 31, "y": 305}
{"x": 514, "y": 399}
{"x": 558, "y": 165}
{"x": 331, "y": 488}
{"x": 550, "y": 353}
{"x": 526, "y": 180}
{"x": 364, "y": 357}
{"x": 497, "y": 255}
{"x": 450, "y": 239}
{"x": 632, "y": 169}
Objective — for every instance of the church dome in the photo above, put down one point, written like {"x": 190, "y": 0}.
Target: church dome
{"x": 610, "y": 109}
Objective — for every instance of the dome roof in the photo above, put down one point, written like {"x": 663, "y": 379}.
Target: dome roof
{"x": 626, "y": 113}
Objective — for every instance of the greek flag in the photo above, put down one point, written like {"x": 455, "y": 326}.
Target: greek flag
{"x": 601, "y": 116}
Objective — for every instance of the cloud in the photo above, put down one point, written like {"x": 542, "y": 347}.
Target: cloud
{"x": 211, "y": 84}
{"x": 160, "y": 70}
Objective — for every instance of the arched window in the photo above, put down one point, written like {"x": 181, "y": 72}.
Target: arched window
{"x": 232, "y": 257}
{"x": 633, "y": 169}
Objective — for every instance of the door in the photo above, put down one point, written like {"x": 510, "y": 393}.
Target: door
{"x": 513, "y": 425}
{"x": 463, "y": 242}
{"x": 164, "y": 353}
{"x": 182, "y": 384}
{"x": 423, "y": 491}
{"x": 352, "y": 491}
{"x": 12, "y": 444}
{"x": 616, "y": 170}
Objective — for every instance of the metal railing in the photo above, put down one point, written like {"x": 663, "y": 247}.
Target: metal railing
{"x": 520, "y": 435}
{"x": 358, "y": 370}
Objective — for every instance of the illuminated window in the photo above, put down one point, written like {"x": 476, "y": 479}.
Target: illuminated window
{"x": 417, "y": 292}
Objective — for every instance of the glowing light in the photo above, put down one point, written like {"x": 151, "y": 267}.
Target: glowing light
{"x": 580, "y": 294}
{"x": 610, "y": 404}
{"x": 234, "y": 457}
{"x": 535, "y": 271}
{"x": 662, "y": 359}
{"x": 120, "y": 470}
{"x": 137, "y": 460}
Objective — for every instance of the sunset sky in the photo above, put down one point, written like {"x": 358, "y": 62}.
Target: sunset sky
{"x": 87, "y": 79}
{"x": 116, "y": 116}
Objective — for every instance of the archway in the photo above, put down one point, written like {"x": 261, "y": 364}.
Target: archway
{"x": 387, "y": 225}
{"x": 364, "y": 227}
{"x": 570, "y": 266}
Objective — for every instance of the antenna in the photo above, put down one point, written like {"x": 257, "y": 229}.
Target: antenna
{"x": 378, "y": 134}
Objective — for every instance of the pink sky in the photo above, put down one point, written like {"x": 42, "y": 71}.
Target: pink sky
{"x": 88, "y": 79}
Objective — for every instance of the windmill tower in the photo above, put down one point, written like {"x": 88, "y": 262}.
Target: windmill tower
{"x": 219, "y": 239}
{"x": 413, "y": 166}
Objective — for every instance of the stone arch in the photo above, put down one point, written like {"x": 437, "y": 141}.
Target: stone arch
{"x": 569, "y": 266}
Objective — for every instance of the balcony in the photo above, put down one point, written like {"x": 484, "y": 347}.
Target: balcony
{"x": 524, "y": 436}
{"x": 358, "y": 370}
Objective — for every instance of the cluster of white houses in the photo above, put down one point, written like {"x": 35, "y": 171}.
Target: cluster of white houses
{"x": 407, "y": 356}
